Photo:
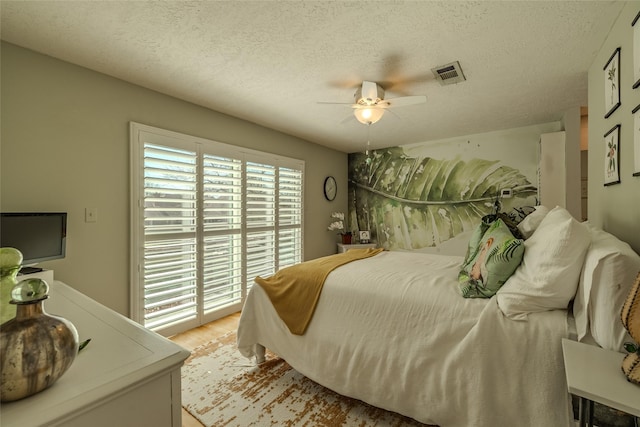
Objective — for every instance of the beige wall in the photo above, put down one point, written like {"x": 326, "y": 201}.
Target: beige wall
{"x": 615, "y": 208}
{"x": 571, "y": 125}
{"x": 65, "y": 147}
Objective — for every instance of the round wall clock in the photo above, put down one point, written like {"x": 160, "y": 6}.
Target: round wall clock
{"x": 330, "y": 188}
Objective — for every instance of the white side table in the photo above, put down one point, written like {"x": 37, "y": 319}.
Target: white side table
{"x": 344, "y": 248}
{"x": 595, "y": 375}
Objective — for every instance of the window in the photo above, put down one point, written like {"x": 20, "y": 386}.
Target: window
{"x": 207, "y": 218}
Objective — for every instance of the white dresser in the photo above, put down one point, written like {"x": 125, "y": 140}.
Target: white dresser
{"x": 127, "y": 376}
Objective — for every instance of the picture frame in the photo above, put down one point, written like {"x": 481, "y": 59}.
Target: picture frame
{"x": 612, "y": 84}
{"x": 612, "y": 156}
{"x": 636, "y": 51}
{"x": 636, "y": 140}
{"x": 364, "y": 236}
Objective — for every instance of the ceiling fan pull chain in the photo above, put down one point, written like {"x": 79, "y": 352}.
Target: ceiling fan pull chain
{"x": 368, "y": 139}
{"x": 368, "y": 160}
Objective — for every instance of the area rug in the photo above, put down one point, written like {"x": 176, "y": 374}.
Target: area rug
{"x": 220, "y": 387}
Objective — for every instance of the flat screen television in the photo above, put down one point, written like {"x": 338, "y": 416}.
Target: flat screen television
{"x": 40, "y": 236}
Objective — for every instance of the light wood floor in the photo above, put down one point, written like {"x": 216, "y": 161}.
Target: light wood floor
{"x": 200, "y": 335}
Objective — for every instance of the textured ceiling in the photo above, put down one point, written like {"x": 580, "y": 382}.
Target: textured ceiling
{"x": 526, "y": 62}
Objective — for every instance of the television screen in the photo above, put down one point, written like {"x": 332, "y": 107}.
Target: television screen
{"x": 40, "y": 236}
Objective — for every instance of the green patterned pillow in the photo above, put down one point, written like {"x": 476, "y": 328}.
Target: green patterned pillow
{"x": 474, "y": 241}
{"x": 490, "y": 260}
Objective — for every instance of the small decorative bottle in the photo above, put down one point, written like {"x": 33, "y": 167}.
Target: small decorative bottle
{"x": 35, "y": 348}
{"x": 10, "y": 261}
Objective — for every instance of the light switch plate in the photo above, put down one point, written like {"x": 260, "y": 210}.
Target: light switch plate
{"x": 90, "y": 214}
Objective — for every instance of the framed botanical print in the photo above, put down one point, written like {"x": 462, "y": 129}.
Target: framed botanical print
{"x": 612, "y": 156}
{"x": 636, "y": 141}
{"x": 612, "y": 84}
{"x": 636, "y": 51}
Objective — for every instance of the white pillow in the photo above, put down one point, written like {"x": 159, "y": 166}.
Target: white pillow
{"x": 547, "y": 278}
{"x": 529, "y": 224}
{"x": 610, "y": 268}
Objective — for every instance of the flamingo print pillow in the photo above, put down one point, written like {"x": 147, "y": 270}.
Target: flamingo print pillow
{"x": 492, "y": 257}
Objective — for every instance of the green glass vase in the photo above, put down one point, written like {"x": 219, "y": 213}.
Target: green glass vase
{"x": 10, "y": 262}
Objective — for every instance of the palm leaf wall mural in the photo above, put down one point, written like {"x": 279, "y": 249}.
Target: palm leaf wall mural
{"x": 416, "y": 202}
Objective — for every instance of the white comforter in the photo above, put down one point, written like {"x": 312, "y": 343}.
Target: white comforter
{"x": 394, "y": 331}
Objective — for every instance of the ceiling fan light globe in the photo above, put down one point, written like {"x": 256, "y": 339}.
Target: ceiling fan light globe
{"x": 368, "y": 116}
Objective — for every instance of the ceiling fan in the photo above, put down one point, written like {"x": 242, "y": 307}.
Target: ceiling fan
{"x": 370, "y": 105}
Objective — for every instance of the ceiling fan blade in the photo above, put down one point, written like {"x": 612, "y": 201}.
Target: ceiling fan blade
{"x": 394, "y": 78}
{"x": 336, "y": 103}
{"x": 369, "y": 90}
{"x": 404, "y": 101}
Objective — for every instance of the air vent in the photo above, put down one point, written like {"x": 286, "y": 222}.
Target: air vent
{"x": 449, "y": 73}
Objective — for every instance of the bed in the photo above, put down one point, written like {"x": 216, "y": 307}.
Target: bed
{"x": 394, "y": 331}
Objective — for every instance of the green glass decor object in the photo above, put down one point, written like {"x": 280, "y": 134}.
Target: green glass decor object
{"x": 10, "y": 262}
{"x": 631, "y": 347}
{"x": 36, "y": 348}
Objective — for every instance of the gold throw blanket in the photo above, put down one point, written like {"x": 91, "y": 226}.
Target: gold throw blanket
{"x": 294, "y": 291}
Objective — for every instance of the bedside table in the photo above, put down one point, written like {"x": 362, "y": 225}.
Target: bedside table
{"x": 595, "y": 375}
{"x": 344, "y": 248}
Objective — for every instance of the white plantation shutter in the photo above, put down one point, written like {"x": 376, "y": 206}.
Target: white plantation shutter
{"x": 261, "y": 212}
{"x": 290, "y": 217}
{"x": 222, "y": 217}
{"x": 169, "y": 268}
{"x": 207, "y": 219}
{"x": 222, "y": 284}
{"x": 261, "y": 195}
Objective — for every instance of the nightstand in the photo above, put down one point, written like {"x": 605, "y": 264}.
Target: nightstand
{"x": 595, "y": 375}
{"x": 344, "y": 248}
